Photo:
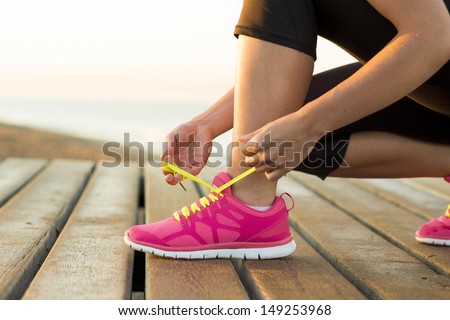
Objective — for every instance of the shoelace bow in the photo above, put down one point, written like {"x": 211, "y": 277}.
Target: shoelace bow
{"x": 214, "y": 195}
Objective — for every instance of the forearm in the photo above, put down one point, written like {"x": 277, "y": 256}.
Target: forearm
{"x": 219, "y": 116}
{"x": 421, "y": 47}
{"x": 408, "y": 61}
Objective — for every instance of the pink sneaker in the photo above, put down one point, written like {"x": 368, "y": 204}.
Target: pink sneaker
{"x": 217, "y": 226}
{"x": 436, "y": 231}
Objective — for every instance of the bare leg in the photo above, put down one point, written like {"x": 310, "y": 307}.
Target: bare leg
{"x": 271, "y": 81}
{"x": 386, "y": 155}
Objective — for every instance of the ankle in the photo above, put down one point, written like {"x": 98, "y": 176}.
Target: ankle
{"x": 253, "y": 197}
{"x": 254, "y": 190}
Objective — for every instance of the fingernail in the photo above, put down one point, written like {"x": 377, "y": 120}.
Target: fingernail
{"x": 248, "y": 160}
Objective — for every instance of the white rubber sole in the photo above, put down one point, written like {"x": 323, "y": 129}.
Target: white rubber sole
{"x": 244, "y": 254}
{"x": 437, "y": 242}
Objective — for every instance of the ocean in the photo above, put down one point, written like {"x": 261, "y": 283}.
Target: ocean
{"x": 108, "y": 121}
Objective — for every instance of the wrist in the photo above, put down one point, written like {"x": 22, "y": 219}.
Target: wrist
{"x": 204, "y": 125}
{"x": 211, "y": 123}
{"x": 310, "y": 122}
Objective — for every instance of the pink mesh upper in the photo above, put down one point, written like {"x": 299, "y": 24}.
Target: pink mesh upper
{"x": 221, "y": 225}
{"x": 235, "y": 214}
{"x": 436, "y": 229}
{"x": 184, "y": 240}
{"x": 204, "y": 231}
{"x": 225, "y": 235}
{"x": 226, "y": 221}
{"x": 163, "y": 229}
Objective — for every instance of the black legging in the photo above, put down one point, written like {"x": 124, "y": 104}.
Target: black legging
{"x": 358, "y": 28}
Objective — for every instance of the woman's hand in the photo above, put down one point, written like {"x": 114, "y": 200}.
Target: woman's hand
{"x": 189, "y": 146}
{"x": 279, "y": 146}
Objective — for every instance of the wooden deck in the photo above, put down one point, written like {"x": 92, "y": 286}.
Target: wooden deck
{"x": 62, "y": 222}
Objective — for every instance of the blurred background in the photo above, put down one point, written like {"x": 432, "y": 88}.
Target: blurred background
{"x": 76, "y": 73}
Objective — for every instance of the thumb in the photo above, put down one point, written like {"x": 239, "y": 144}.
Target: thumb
{"x": 250, "y": 144}
{"x": 245, "y": 137}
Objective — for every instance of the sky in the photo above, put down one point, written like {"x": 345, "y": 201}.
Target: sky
{"x": 123, "y": 50}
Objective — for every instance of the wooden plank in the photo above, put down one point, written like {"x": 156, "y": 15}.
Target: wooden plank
{"x": 414, "y": 199}
{"x": 183, "y": 279}
{"x": 436, "y": 186}
{"x": 303, "y": 275}
{"x": 15, "y": 173}
{"x": 89, "y": 259}
{"x": 31, "y": 221}
{"x": 390, "y": 221}
{"x": 373, "y": 264}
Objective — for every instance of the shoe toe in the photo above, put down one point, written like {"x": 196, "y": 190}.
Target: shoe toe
{"x": 434, "y": 229}
{"x": 142, "y": 234}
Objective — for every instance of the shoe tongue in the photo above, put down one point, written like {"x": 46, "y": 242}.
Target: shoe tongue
{"x": 220, "y": 180}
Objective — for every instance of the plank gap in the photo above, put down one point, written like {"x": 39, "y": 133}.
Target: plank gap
{"x": 247, "y": 280}
{"x": 217, "y": 278}
{"x": 408, "y": 197}
{"x": 75, "y": 175}
{"x": 199, "y": 189}
{"x": 19, "y": 173}
{"x": 347, "y": 274}
{"x": 78, "y": 266}
{"x": 138, "y": 281}
{"x": 240, "y": 268}
{"x": 374, "y": 229}
{"x": 141, "y": 199}
{"x": 424, "y": 184}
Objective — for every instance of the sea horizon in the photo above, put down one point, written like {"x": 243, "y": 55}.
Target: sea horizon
{"x": 143, "y": 122}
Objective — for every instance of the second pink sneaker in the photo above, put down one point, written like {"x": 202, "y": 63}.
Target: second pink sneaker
{"x": 217, "y": 226}
{"x": 436, "y": 231}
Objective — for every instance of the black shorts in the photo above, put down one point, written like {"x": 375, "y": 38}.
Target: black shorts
{"x": 358, "y": 28}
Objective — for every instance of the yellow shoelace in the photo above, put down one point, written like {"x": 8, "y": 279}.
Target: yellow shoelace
{"x": 447, "y": 213}
{"x": 204, "y": 201}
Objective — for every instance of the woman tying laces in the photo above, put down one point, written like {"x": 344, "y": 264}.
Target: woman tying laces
{"x": 387, "y": 116}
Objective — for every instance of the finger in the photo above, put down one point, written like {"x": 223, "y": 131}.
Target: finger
{"x": 169, "y": 145}
{"x": 252, "y": 161}
{"x": 170, "y": 179}
{"x": 183, "y": 163}
{"x": 167, "y": 171}
{"x": 178, "y": 177}
{"x": 168, "y": 160}
{"x": 164, "y": 154}
{"x": 266, "y": 167}
{"x": 245, "y": 137}
{"x": 262, "y": 158}
{"x": 261, "y": 168}
{"x": 276, "y": 174}
{"x": 250, "y": 148}
{"x": 196, "y": 168}
{"x": 199, "y": 161}
{"x": 164, "y": 172}
{"x": 163, "y": 169}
